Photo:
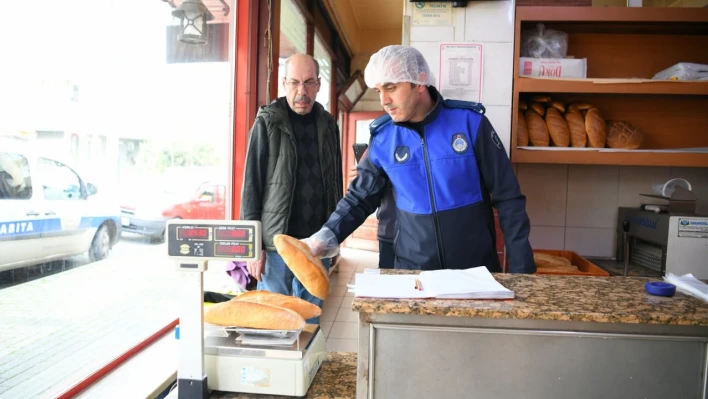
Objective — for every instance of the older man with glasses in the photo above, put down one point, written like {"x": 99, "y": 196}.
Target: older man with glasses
{"x": 293, "y": 173}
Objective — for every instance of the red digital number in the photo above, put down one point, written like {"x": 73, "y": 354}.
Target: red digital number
{"x": 234, "y": 234}
{"x": 222, "y": 249}
{"x": 193, "y": 233}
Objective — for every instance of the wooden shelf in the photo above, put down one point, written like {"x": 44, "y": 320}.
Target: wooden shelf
{"x": 535, "y": 85}
{"x": 611, "y": 158}
{"x": 612, "y": 14}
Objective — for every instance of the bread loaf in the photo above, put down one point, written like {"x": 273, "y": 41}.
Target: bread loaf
{"x": 558, "y": 105}
{"x": 596, "y": 128}
{"x": 541, "y": 99}
{"x": 305, "y": 309}
{"x": 581, "y": 106}
{"x": 522, "y": 138}
{"x": 539, "y": 108}
{"x": 538, "y": 131}
{"x": 576, "y": 127}
{"x": 522, "y": 105}
{"x": 306, "y": 267}
{"x": 621, "y": 134}
{"x": 557, "y": 128}
{"x": 235, "y": 313}
{"x": 546, "y": 260}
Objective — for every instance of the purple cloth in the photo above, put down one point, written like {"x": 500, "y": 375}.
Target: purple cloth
{"x": 239, "y": 272}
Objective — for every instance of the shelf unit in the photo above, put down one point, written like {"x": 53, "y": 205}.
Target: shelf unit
{"x": 624, "y": 48}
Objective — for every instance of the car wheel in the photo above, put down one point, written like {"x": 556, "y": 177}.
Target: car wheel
{"x": 101, "y": 244}
{"x": 158, "y": 239}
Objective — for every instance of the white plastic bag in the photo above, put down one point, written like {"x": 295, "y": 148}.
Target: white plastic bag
{"x": 544, "y": 43}
{"x": 684, "y": 71}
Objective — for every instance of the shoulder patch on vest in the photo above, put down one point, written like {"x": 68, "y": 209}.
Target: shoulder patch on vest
{"x": 379, "y": 122}
{"x": 496, "y": 140}
{"x": 476, "y": 107}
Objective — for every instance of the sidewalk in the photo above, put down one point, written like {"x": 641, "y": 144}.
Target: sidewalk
{"x": 57, "y": 330}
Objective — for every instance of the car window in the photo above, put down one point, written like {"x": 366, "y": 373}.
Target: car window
{"x": 15, "y": 181}
{"x": 59, "y": 182}
{"x": 207, "y": 194}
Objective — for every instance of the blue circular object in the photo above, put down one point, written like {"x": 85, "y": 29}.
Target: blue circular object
{"x": 660, "y": 288}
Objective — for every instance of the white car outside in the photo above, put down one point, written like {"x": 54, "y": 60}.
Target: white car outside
{"x": 48, "y": 212}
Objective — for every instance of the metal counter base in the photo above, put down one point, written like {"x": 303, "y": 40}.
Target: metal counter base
{"x": 413, "y": 356}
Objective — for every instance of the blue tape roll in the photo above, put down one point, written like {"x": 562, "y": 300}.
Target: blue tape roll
{"x": 659, "y": 288}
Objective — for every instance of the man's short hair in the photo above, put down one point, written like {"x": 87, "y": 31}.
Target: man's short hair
{"x": 317, "y": 65}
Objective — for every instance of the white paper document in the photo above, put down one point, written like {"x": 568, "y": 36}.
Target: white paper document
{"x": 474, "y": 283}
{"x": 688, "y": 284}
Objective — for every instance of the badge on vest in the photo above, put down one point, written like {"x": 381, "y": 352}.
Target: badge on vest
{"x": 402, "y": 154}
{"x": 459, "y": 143}
{"x": 496, "y": 140}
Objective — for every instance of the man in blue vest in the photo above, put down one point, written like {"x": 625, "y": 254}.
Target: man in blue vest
{"x": 448, "y": 169}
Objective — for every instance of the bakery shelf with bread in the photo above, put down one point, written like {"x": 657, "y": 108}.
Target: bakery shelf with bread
{"x": 618, "y": 115}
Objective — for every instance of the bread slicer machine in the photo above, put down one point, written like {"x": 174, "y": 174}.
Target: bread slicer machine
{"x": 233, "y": 359}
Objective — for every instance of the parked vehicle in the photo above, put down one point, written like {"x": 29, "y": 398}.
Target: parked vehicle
{"x": 49, "y": 212}
{"x": 149, "y": 217}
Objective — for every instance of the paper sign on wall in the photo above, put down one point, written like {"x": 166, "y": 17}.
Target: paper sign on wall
{"x": 432, "y": 14}
{"x": 461, "y": 71}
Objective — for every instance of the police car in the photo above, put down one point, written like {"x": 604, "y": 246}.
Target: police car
{"x": 48, "y": 212}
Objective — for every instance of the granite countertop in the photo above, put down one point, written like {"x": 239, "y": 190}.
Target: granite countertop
{"x": 548, "y": 297}
{"x": 336, "y": 379}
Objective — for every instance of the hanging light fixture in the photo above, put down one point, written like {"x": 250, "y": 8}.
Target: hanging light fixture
{"x": 193, "y": 16}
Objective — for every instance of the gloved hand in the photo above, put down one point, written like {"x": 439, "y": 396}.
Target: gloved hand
{"x": 323, "y": 244}
{"x": 256, "y": 268}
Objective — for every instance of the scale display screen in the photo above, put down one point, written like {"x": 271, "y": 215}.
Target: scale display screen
{"x": 227, "y": 249}
{"x": 230, "y": 234}
{"x": 205, "y": 239}
{"x": 193, "y": 233}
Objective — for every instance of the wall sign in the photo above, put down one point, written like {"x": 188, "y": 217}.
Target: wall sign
{"x": 461, "y": 71}
{"x": 432, "y": 14}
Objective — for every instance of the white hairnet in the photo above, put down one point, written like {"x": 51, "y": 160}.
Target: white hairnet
{"x": 396, "y": 64}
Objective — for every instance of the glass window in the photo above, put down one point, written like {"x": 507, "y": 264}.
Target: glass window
{"x": 125, "y": 124}
{"x": 15, "y": 182}
{"x": 59, "y": 182}
{"x": 323, "y": 58}
{"x": 293, "y": 37}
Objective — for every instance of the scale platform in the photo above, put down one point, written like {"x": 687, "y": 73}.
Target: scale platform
{"x": 242, "y": 360}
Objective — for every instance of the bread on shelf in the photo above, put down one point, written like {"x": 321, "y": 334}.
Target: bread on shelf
{"x": 538, "y": 131}
{"x": 576, "y": 127}
{"x": 621, "y": 134}
{"x": 522, "y": 137}
{"x": 557, "y": 128}
{"x": 596, "y": 128}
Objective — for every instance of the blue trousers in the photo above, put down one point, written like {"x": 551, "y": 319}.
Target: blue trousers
{"x": 278, "y": 278}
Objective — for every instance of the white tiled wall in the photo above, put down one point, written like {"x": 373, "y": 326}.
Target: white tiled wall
{"x": 574, "y": 207}
{"x": 490, "y": 23}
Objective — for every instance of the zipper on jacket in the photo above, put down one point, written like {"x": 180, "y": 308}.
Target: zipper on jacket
{"x": 438, "y": 239}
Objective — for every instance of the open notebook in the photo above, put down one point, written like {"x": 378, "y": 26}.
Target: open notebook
{"x": 474, "y": 283}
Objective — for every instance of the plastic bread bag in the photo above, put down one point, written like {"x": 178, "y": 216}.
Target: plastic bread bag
{"x": 544, "y": 43}
{"x": 684, "y": 71}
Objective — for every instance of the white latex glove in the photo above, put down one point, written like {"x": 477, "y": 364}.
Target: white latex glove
{"x": 256, "y": 268}
{"x": 323, "y": 244}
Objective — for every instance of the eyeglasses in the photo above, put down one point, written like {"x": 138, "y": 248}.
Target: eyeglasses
{"x": 294, "y": 84}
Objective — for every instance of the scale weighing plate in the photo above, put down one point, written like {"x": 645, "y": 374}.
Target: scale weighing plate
{"x": 231, "y": 344}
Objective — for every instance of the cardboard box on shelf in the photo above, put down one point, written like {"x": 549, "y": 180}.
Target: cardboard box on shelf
{"x": 553, "y": 67}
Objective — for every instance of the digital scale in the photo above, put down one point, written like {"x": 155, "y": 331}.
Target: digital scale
{"x": 233, "y": 359}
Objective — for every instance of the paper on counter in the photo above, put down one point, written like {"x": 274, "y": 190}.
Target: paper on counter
{"x": 689, "y": 285}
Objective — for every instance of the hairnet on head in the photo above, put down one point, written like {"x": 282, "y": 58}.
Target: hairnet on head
{"x": 396, "y": 64}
